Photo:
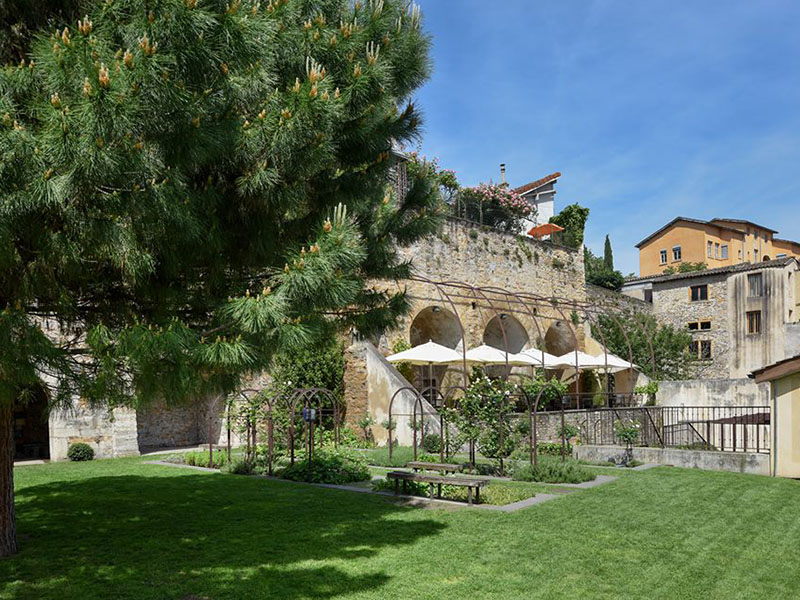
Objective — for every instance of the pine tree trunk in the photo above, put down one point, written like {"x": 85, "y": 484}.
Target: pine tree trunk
{"x": 8, "y": 525}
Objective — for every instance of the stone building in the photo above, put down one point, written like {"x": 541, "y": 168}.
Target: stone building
{"x": 741, "y": 317}
{"x": 485, "y": 258}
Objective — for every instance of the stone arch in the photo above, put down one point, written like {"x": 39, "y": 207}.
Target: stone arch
{"x": 559, "y": 338}
{"x": 516, "y": 337}
{"x": 437, "y": 324}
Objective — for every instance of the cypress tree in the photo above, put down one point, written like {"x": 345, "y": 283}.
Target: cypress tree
{"x": 187, "y": 185}
{"x": 608, "y": 255}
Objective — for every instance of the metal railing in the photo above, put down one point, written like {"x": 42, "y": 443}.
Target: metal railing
{"x": 724, "y": 429}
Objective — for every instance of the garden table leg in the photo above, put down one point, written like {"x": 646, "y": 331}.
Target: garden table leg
{"x": 396, "y": 486}
{"x": 477, "y": 495}
{"x": 469, "y": 496}
{"x": 439, "y": 490}
{"x": 405, "y": 487}
{"x": 430, "y": 491}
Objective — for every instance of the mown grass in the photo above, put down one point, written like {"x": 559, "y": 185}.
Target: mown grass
{"x": 124, "y": 529}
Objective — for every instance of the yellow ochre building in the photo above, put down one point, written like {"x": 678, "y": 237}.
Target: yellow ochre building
{"x": 717, "y": 243}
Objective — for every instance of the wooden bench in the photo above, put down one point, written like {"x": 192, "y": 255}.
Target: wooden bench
{"x": 432, "y": 466}
{"x": 470, "y": 483}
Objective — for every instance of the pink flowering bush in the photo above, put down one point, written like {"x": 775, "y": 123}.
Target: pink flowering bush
{"x": 445, "y": 179}
{"x": 494, "y": 205}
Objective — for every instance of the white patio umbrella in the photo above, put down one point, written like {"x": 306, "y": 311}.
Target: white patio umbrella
{"x": 489, "y": 355}
{"x": 542, "y": 359}
{"x": 615, "y": 363}
{"x": 573, "y": 363}
{"x": 429, "y": 354}
{"x": 581, "y": 361}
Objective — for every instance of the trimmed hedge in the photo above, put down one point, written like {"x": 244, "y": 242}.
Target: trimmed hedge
{"x": 80, "y": 452}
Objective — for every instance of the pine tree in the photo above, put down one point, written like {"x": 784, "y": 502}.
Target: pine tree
{"x": 608, "y": 255}
{"x": 187, "y": 185}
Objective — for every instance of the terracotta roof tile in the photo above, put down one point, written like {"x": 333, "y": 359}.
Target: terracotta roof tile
{"x": 764, "y": 264}
{"x": 538, "y": 183}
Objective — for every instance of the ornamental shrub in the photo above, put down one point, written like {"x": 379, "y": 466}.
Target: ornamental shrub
{"x": 200, "y": 458}
{"x": 328, "y": 466}
{"x": 432, "y": 443}
{"x": 80, "y": 452}
{"x": 240, "y": 466}
{"x": 553, "y": 471}
{"x": 553, "y": 449}
{"x": 627, "y": 431}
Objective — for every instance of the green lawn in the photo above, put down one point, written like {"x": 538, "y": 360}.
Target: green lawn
{"x": 124, "y": 529}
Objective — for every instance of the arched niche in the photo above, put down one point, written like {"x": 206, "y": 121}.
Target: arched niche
{"x": 559, "y": 338}
{"x": 515, "y": 339}
{"x": 437, "y": 324}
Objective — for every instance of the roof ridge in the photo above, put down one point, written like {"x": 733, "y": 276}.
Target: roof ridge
{"x": 538, "y": 183}
{"x": 776, "y": 262}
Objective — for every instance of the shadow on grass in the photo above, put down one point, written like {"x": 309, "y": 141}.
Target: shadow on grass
{"x": 200, "y": 536}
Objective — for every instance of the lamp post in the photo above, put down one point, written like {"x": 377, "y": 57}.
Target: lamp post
{"x": 309, "y": 414}
{"x": 563, "y": 440}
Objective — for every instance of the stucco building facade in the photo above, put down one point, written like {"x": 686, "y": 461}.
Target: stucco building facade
{"x": 715, "y": 243}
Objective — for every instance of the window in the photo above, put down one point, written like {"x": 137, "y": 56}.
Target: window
{"x": 716, "y": 250}
{"x": 781, "y": 255}
{"x": 709, "y": 249}
{"x": 755, "y": 285}
{"x": 676, "y": 253}
{"x": 648, "y": 296}
{"x": 754, "y": 321}
{"x": 699, "y": 292}
{"x": 694, "y": 326}
{"x": 705, "y": 325}
{"x": 700, "y": 326}
{"x": 663, "y": 257}
{"x": 700, "y": 350}
{"x": 740, "y": 255}
{"x": 724, "y": 251}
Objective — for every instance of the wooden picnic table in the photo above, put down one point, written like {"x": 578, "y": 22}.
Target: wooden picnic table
{"x": 471, "y": 483}
{"x": 419, "y": 465}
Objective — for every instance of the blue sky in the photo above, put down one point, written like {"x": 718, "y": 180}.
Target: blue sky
{"x": 649, "y": 109}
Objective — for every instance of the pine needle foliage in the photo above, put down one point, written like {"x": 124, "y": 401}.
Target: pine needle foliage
{"x": 188, "y": 185}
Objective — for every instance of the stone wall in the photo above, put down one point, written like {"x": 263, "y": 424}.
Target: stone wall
{"x": 616, "y": 301}
{"x": 474, "y": 255}
{"x": 739, "y": 462}
{"x": 713, "y": 392}
{"x": 479, "y": 256}
{"x": 163, "y": 427}
{"x": 109, "y": 433}
{"x": 355, "y": 384}
{"x": 672, "y": 305}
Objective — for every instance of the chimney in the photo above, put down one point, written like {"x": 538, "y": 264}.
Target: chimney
{"x": 502, "y": 173}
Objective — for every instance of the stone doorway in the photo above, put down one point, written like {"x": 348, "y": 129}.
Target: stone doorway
{"x": 31, "y": 429}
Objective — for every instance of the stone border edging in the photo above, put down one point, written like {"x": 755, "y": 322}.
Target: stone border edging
{"x": 421, "y": 500}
